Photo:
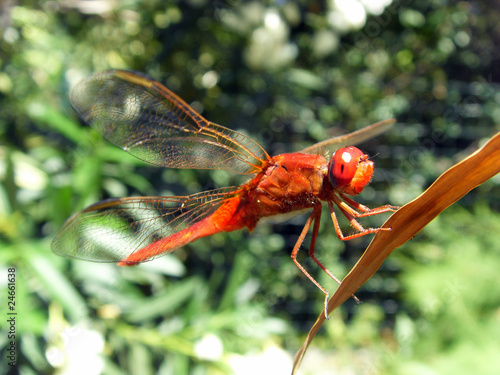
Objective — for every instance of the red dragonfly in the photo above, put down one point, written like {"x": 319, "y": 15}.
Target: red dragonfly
{"x": 146, "y": 119}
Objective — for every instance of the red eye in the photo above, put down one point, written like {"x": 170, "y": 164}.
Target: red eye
{"x": 350, "y": 170}
{"x": 343, "y": 166}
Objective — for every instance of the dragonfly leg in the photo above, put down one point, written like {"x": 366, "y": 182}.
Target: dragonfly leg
{"x": 351, "y": 215}
{"x": 314, "y": 216}
{"x": 365, "y": 211}
{"x": 312, "y": 247}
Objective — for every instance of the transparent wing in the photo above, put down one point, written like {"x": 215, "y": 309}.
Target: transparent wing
{"x": 116, "y": 229}
{"x": 146, "y": 119}
{"x": 350, "y": 139}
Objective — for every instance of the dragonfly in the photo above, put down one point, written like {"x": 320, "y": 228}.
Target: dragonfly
{"x": 146, "y": 119}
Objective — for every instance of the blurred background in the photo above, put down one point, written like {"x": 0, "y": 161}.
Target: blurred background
{"x": 288, "y": 74}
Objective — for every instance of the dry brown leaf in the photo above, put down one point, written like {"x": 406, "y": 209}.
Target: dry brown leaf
{"x": 409, "y": 220}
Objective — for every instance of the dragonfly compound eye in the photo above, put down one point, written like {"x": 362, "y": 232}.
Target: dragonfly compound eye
{"x": 343, "y": 166}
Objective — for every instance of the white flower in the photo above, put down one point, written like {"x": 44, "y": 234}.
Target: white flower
{"x": 272, "y": 361}
{"x": 269, "y": 46}
{"x": 209, "y": 348}
{"x": 80, "y": 352}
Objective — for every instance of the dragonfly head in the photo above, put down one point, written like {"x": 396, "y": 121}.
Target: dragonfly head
{"x": 350, "y": 170}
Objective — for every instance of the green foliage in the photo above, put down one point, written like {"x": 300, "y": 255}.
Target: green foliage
{"x": 452, "y": 305}
{"x": 285, "y": 73}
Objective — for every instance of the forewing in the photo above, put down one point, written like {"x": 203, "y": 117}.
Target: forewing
{"x": 350, "y": 139}
{"x": 143, "y": 117}
{"x": 114, "y": 229}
